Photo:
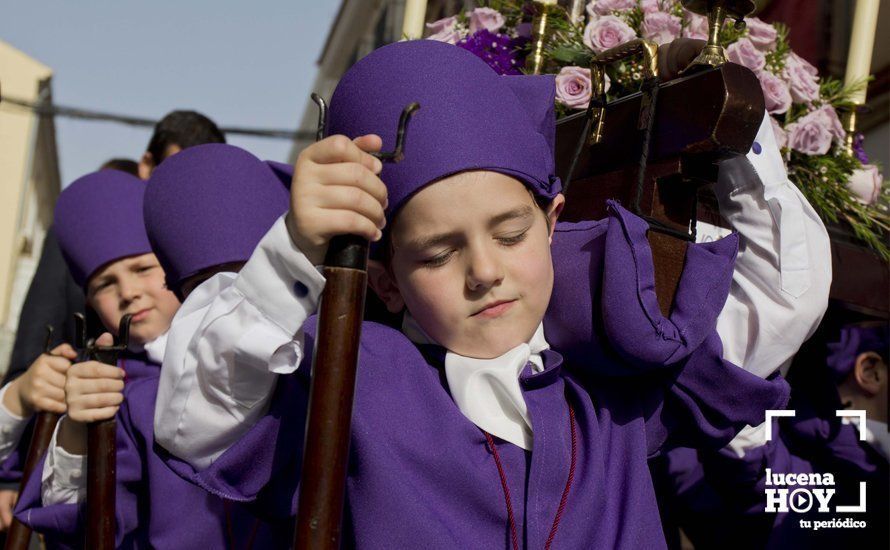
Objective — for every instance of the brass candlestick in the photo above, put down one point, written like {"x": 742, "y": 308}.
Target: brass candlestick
{"x": 848, "y": 119}
{"x": 713, "y": 54}
{"x": 539, "y": 34}
{"x": 577, "y": 13}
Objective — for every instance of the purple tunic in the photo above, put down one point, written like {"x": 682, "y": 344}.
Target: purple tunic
{"x": 422, "y": 475}
{"x": 155, "y": 508}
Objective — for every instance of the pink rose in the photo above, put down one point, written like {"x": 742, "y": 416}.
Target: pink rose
{"x": 865, "y": 184}
{"x": 661, "y": 27}
{"x": 762, "y": 34}
{"x": 779, "y": 132}
{"x": 485, "y": 18}
{"x": 649, "y": 6}
{"x": 744, "y": 53}
{"x": 811, "y": 134}
{"x": 573, "y": 87}
{"x": 833, "y": 122}
{"x": 802, "y": 78}
{"x": 806, "y": 65}
{"x": 444, "y": 30}
{"x": 775, "y": 93}
{"x": 696, "y": 26}
{"x": 607, "y": 32}
{"x": 607, "y": 7}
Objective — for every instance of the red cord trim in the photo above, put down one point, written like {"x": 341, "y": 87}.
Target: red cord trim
{"x": 565, "y": 492}
{"x": 510, "y": 516}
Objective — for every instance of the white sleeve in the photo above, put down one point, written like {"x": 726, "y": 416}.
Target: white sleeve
{"x": 227, "y": 345}
{"x": 63, "y": 480}
{"x": 782, "y": 275}
{"x": 12, "y": 426}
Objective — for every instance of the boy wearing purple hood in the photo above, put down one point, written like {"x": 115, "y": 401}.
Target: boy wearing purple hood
{"x": 99, "y": 221}
{"x": 467, "y": 430}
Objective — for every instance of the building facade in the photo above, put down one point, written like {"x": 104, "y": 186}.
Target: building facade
{"x": 29, "y": 183}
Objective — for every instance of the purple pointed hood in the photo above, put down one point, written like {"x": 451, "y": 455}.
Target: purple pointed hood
{"x": 98, "y": 219}
{"x": 470, "y": 117}
{"x": 210, "y": 205}
{"x": 852, "y": 341}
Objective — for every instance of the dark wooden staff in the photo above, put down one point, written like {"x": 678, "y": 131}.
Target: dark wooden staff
{"x": 19, "y": 535}
{"x": 334, "y": 362}
{"x": 102, "y": 454}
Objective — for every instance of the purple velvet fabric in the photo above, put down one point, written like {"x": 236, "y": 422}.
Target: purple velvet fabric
{"x": 155, "y": 508}
{"x": 421, "y": 475}
{"x": 852, "y": 341}
{"x": 470, "y": 118}
{"x": 283, "y": 171}
{"x": 583, "y": 305}
{"x": 210, "y": 205}
{"x": 98, "y": 219}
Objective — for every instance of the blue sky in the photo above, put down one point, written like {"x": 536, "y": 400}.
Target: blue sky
{"x": 241, "y": 63}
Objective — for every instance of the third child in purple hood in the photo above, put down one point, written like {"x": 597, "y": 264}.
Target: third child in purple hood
{"x": 468, "y": 430}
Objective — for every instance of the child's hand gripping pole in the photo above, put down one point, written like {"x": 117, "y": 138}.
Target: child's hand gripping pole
{"x": 19, "y": 535}
{"x": 102, "y": 450}
{"x": 334, "y": 362}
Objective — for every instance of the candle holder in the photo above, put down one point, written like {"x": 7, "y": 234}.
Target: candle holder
{"x": 713, "y": 54}
{"x": 540, "y": 23}
{"x": 848, "y": 121}
{"x": 577, "y": 13}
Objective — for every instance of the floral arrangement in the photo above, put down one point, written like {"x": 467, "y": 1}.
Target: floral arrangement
{"x": 841, "y": 186}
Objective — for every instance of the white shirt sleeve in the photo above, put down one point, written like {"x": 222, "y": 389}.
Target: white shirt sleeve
{"x": 227, "y": 345}
{"x": 782, "y": 274}
{"x": 12, "y": 426}
{"x": 63, "y": 480}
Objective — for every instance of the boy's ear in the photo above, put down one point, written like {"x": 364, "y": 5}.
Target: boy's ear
{"x": 385, "y": 286}
{"x": 146, "y": 165}
{"x": 869, "y": 375}
{"x": 553, "y": 212}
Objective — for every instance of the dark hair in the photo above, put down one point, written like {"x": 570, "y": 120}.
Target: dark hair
{"x": 122, "y": 165}
{"x": 185, "y": 129}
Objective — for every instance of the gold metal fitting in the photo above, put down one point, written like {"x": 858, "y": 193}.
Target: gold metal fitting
{"x": 713, "y": 54}
{"x": 539, "y": 36}
{"x": 647, "y": 49}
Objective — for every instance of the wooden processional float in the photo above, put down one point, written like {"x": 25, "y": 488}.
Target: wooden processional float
{"x": 656, "y": 151}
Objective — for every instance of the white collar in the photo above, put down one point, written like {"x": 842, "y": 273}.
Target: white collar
{"x": 156, "y": 348}
{"x": 487, "y": 391}
{"x": 877, "y": 436}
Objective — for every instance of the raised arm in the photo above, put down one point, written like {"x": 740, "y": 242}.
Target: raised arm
{"x": 782, "y": 274}
{"x": 228, "y": 343}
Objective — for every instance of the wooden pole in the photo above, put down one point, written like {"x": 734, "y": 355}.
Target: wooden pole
{"x": 19, "y": 535}
{"x": 102, "y": 457}
{"x": 334, "y": 362}
{"x": 334, "y": 365}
